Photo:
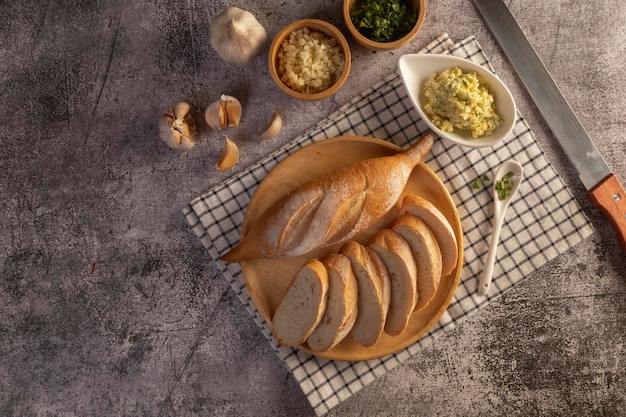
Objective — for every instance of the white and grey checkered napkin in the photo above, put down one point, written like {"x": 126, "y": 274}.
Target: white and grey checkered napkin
{"x": 542, "y": 222}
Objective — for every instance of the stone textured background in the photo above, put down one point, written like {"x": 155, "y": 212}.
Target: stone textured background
{"x": 109, "y": 305}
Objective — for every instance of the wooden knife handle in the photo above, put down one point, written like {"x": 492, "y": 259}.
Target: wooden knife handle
{"x": 610, "y": 197}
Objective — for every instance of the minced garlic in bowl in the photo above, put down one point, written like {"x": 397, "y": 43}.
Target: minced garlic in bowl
{"x": 309, "y": 61}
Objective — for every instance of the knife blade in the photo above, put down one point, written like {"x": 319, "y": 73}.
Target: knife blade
{"x": 603, "y": 187}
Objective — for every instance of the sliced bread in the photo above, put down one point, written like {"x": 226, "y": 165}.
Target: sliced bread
{"x": 373, "y": 292}
{"x": 440, "y": 226}
{"x": 427, "y": 255}
{"x": 396, "y": 254}
{"x": 341, "y": 308}
{"x": 303, "y": 305}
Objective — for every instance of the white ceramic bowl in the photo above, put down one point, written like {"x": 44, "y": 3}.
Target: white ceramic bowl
{"x": 416, "y": 69}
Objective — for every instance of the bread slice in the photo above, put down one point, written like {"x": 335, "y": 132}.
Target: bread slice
{"x": 396, "y": 254}
{"x": 427, "y": 255}
{"x": 304, "y": 304}
{"x": 341, "y": 308}
{"x": 440, "y": 226}
{"x": 373, "y": 292}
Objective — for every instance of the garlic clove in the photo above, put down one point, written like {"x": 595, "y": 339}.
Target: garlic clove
{"x": 229, "y": 155}
{"x": 237, "y": 36}
{"x": 174, "y": 139}
{"x": 215, "y": 115}
{"x": 232, "y": 108}
{"x": 181, "y": 110}
{"x": 166, "y": 133}
{"x": 273, "y": 127}
{"x": 186, "y": 143}
{"x": 224, "y": 112}
{"x": 177, "y": 126}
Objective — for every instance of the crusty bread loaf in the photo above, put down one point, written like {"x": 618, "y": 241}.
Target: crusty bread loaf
{"x": 303, "y": 305}
{"x": 427, "y": 255}
{"x": 440, "y": 226}
{"x": 330, "y": 209}
{"x": 373, "y": 292}
{"x": 396, "y": 254}
{"x": 341, "y": 308}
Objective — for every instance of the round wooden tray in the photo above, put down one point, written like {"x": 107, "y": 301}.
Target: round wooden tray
{"x": 267, "y": 279}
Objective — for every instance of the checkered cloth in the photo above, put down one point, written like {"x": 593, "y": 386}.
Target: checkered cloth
{"x": 542, "y": 221}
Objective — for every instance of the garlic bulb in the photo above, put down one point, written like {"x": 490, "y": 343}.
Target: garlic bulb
{"x": 224, "y": 112}
{"x": 237, "y": 36}
{"x": 177, "y": 127}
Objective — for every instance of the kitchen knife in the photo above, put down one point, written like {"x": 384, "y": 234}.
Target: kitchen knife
{"x": 603, "y": 187}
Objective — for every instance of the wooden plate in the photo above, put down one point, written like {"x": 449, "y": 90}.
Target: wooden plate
{"x": 267, "y": 279}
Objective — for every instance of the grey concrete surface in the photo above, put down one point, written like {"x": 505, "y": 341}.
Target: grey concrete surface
{"x": 109, "y": 305}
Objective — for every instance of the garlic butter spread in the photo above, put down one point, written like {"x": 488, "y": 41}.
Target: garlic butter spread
{"x": 460, "y": 100}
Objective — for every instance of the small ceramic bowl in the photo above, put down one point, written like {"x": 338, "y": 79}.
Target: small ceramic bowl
{"x": 419, "y": 5}
{"x": 416, "y": 69}
{"x": 313, "y": 25}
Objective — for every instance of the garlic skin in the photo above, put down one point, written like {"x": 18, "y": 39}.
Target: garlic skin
{"x": 229, "y": 156}
{"x": 177, "y": 127}
{"x": 226, "y": 112}
{"x": 273, "y": 127}
{"x": 237, "y": 36}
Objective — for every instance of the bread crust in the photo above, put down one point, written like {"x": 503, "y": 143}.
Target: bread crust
{"x": 341, "y": 308}
{"x": 332, "y": 208}
{"x": 303, "y": 305}
{"x": 427, "y": 255}
{"x": 396, "y": 254}
{"x": 440, "y": 226}
{"x": 373, "y": 292}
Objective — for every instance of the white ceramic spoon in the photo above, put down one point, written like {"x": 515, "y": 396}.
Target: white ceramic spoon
{"x": 499, "y": 210}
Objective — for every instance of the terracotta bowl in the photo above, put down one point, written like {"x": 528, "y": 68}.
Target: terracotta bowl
{"x": 313, "y": 25}
{"x": 420, "y": 5}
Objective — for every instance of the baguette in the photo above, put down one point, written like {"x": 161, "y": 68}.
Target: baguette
{"x": 341, "y": 308}
{"x": 332, "y": 208}
{"x": 440, "y": 226}
{"x": 373, "y": 293}
{"x": 396, "y": 254}
{"x": 427, "y": 255}
{"x": 302, "y": 307}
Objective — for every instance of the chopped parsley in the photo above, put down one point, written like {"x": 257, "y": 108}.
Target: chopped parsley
{"x": 383, "y": 20}
{"x": 478, "y": 182}
{"x": 504, "y": 186}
